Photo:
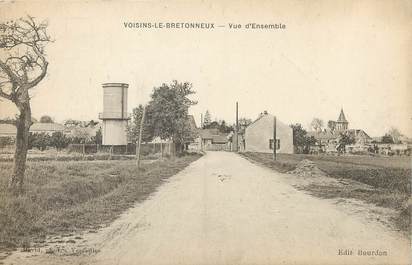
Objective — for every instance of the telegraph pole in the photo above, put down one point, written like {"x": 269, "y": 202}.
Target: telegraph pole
{"x": 237, "y": 126}
{"x": 274, "y": 138}
{"x": 140, "y": 138}
{"x": 235, "y": 141}
{"x": 201, "y": 120}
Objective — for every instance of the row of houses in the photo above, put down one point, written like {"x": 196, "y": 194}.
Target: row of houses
{"x": 254, "y": 137}
{"x": 329, "y": 141}
{"x": 10, "y": 130}
{"x": 258, "y": 137}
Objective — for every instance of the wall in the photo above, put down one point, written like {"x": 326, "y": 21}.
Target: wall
{"x": 115, "y": 101}
{"x": 258, "y": 134}
{"x": 114, "y": 132}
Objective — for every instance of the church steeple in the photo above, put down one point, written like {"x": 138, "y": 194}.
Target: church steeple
{"x": 342, "y": 117}
{"x": 342, "y": 123}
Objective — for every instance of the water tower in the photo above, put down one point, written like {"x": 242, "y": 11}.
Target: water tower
{"x": 114, "y": 115}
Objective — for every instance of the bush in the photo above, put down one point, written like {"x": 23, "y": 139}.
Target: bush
{"x": 6, "y": 141}
{"x": 59, "y": 140}
{"x": 39, "y": 141}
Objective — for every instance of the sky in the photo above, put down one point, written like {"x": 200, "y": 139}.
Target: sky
{"x": 353, "y": 55}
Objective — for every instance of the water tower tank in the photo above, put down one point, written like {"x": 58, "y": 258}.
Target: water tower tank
{"x": 114, "y": 115}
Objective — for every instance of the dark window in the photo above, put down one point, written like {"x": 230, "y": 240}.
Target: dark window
{"x": 271, "y": 144}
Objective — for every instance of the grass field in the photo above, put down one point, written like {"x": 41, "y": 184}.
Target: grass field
{"x": 389, "y": 177}
{"x": 62, "y": 197}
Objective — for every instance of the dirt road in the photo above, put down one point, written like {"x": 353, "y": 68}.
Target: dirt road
{"x": 223, "y": 209}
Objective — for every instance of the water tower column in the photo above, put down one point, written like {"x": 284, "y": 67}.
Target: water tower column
{"x": 114, "y": 115}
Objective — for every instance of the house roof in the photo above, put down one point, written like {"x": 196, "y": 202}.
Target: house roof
{"x": 192, "y": 126}
{"x": 328, "y": 135}
{"x": 208, "y": 133}
{"x": 342, "y": 117}
{"x": 47, "y": 127}
{"x": 323, "y": 135}
{"x": 359, "y": 133}
{"x": 214, "y": 135}
{"x": 265, "y": 114}
{"x": 8, "y": 129}
{"x": 192, "y": 122}
{"x": 405, "y": 139}
{"x": 219, "y": 139}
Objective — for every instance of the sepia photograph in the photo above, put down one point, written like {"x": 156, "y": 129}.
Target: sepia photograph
{"x": 251, "y": 132}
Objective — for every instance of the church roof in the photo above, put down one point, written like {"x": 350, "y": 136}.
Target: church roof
{"x": 342, "y": 117}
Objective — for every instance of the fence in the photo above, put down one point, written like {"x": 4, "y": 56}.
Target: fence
{"x": 158, "y": 148}
{"x": 163, "y": 149}
{"x": 217, "y": 147}
{"x": 83, "y": 148}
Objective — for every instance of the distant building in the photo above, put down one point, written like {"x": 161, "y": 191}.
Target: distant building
{"x": 10, "y": 130}
{"x": 213, "y": 140}
{"x": 341, "y": 124}
{"x": 259, "y": 136}
{"x": 403, "y": 147}
{"x": 48, "y": 128}
{"x": 327, "y": 140}
{"x": 192, "y": 133}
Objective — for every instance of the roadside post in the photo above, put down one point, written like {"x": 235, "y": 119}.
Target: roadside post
{"x": 274, "y": 138}
{"x": 237, "y": 128}
{"x": 140, "y": 139}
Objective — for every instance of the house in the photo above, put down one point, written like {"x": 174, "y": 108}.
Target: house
{"x": 7, "y": 135}
{"x": 326, "y": 141}
{"x": 403, "y": 147}
{"x": 362, "y": 141}
{"x": 258, "y": 135}
{"x": 190, "y": 138}
{"x": 48, "y": 128}
{"x": 240, "y": 139}
{"x": 8, "y": 130}
{"x": 213, "y": 140}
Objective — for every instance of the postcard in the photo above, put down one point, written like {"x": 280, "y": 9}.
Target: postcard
{"x": 205, "y": 132}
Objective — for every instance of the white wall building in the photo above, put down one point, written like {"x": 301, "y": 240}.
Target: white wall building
{"x": 259, "y": 136}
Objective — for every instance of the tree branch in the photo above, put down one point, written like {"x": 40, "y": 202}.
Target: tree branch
{"x": 14, "y": 79}
{"x": 5, "y": 95}
{"x": 40, "y": 77}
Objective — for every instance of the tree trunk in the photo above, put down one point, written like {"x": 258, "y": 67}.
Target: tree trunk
{"x": 179, "y": 148}
{"x": 23, "y": 124}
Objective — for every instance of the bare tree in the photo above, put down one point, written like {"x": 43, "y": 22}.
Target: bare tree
{"x": 395, "y": 134}
{"x": 23, "y": 65}
{"x": 317, "y": 124}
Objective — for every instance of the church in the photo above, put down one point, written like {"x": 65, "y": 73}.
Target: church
{"x": 341, "y": 124}
{"x": 327, "y": 140}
